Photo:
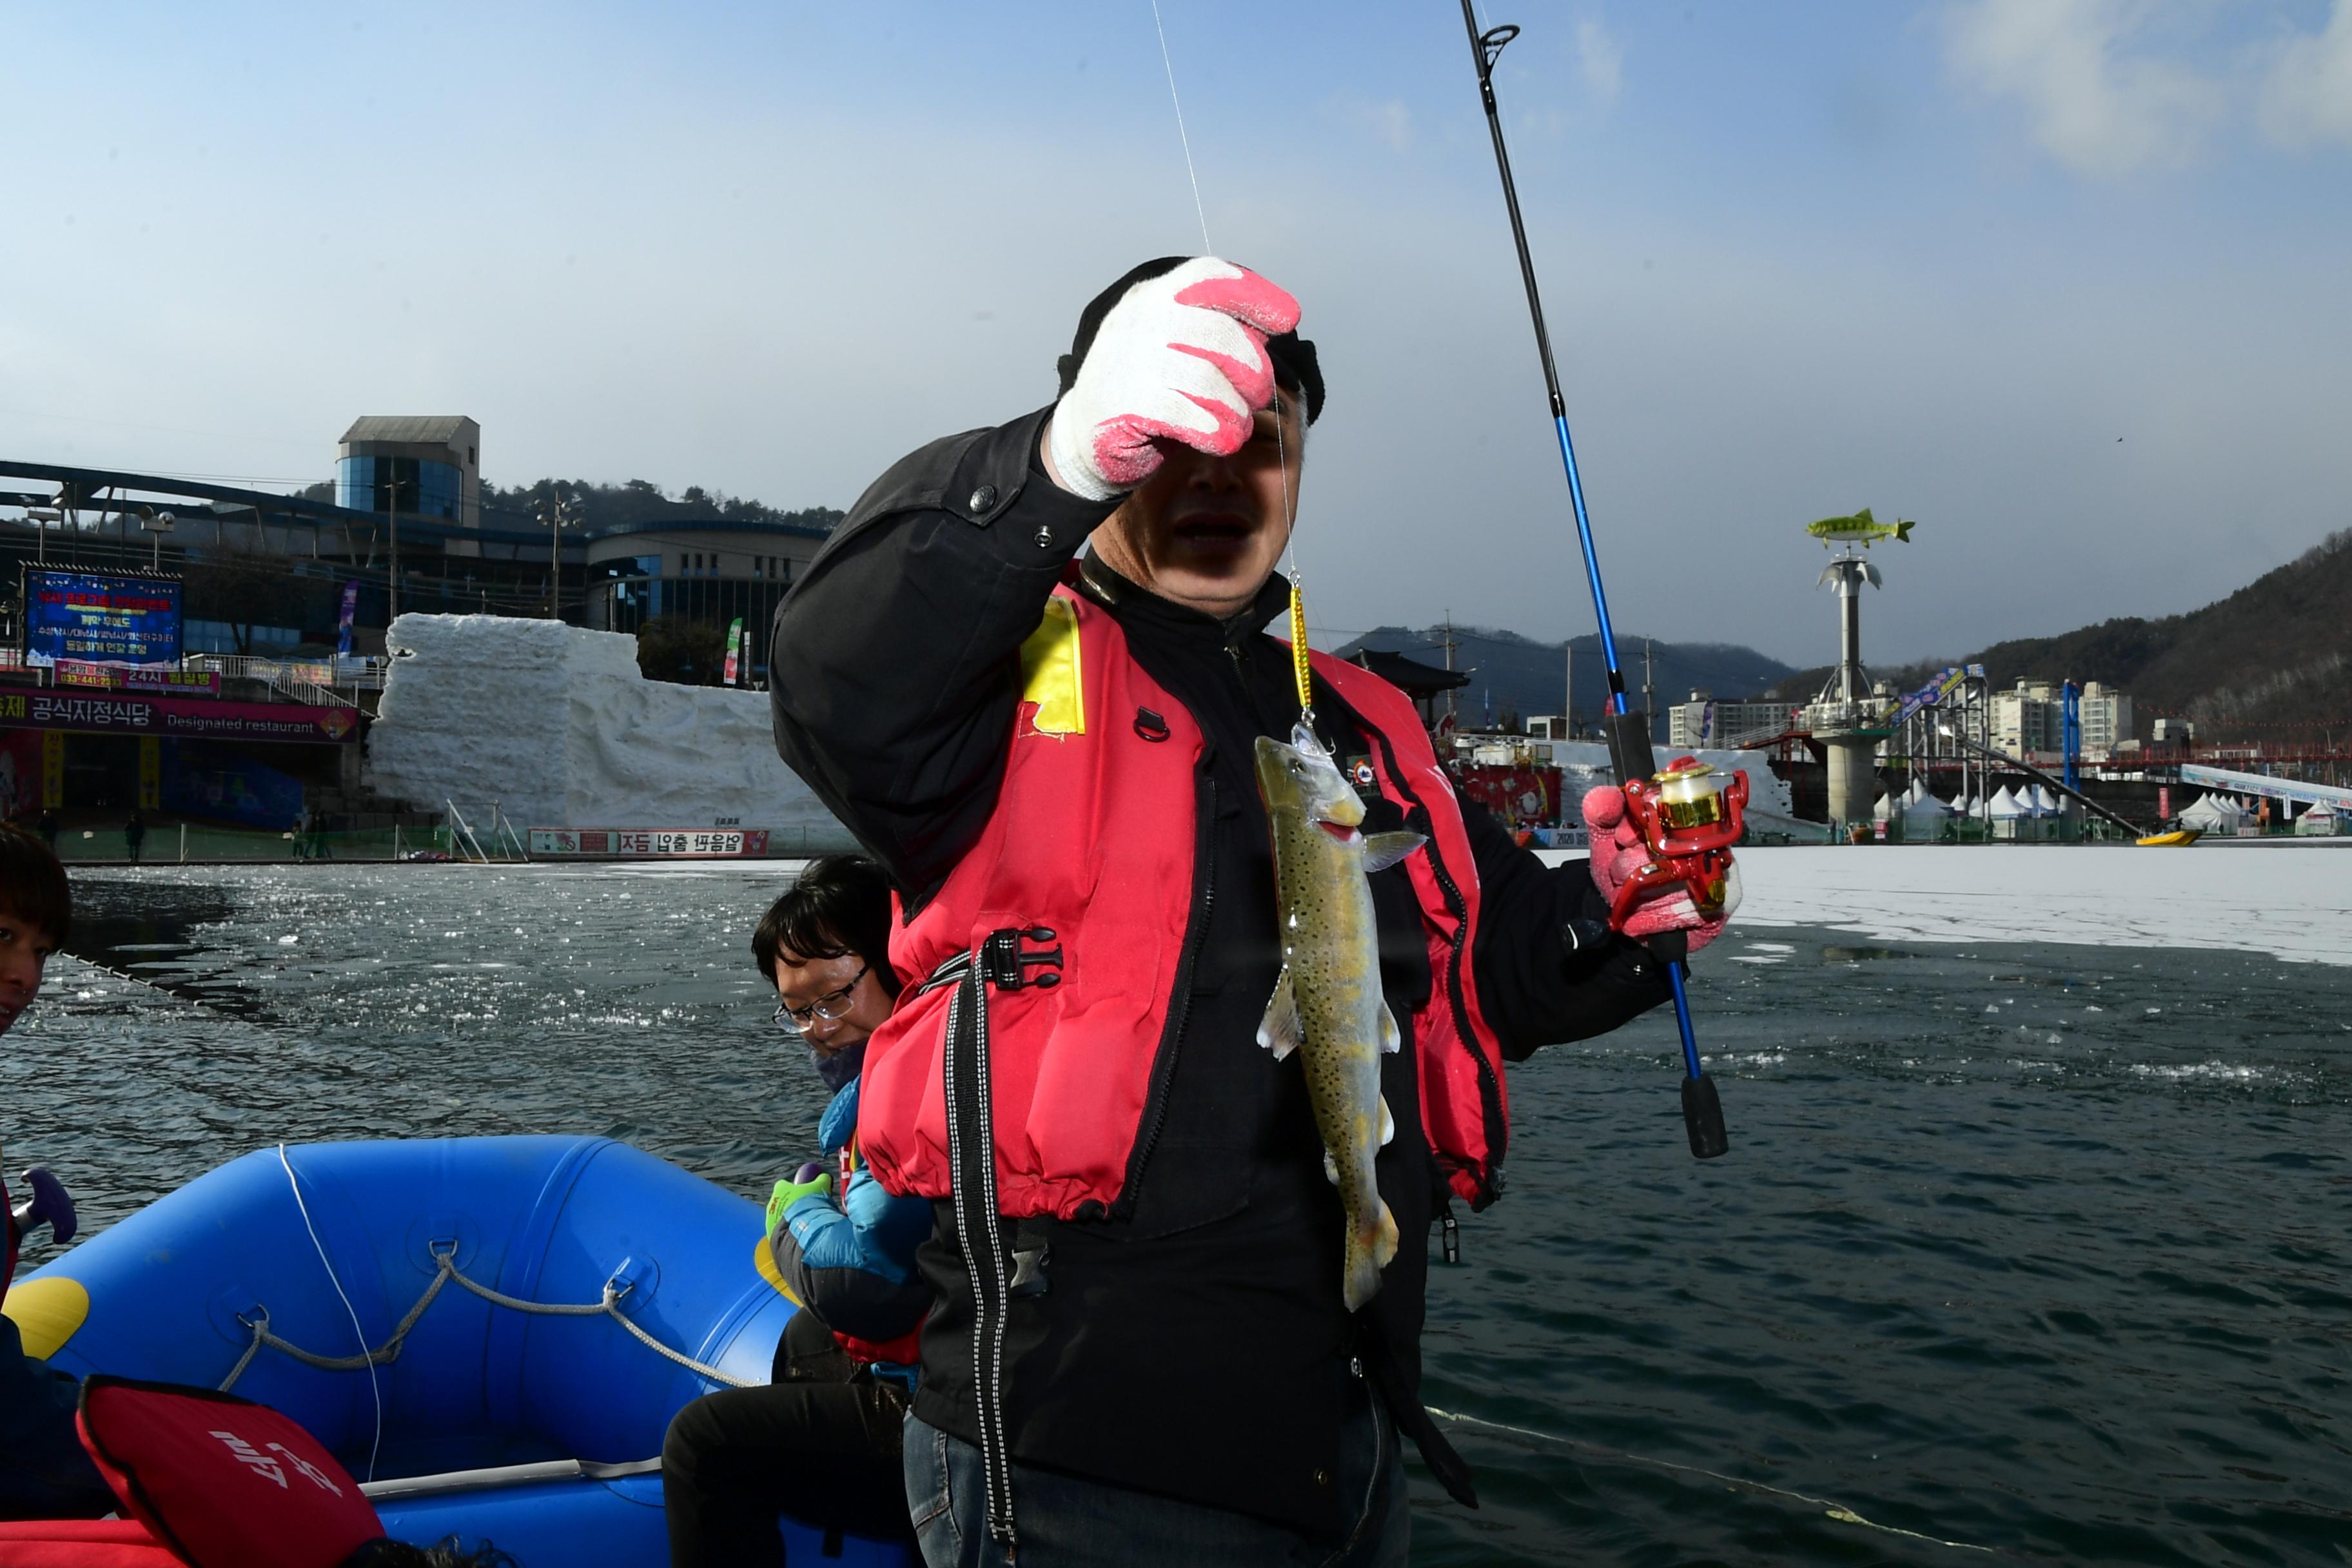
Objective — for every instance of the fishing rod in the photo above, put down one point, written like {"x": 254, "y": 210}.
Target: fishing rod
{"x": 1688, "y": 820}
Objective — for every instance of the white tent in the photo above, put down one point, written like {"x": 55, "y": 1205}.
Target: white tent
{"x": 2320, "y": 820}
{"x": 2008, "y": 813}
{"x": 1924, "y": 816}
{"x": 2214, "y": 814}
{"x": 2046, "y": 802}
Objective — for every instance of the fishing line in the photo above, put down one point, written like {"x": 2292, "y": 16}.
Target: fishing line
{"x": 1301, "y": 671}
{"x": 373, "y": 1384}
{"x": 1170, "y": 66}
{"x": 1833, "y": 1508}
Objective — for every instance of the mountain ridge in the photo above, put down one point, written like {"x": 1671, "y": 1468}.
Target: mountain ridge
{"x": 1515, "y": 676}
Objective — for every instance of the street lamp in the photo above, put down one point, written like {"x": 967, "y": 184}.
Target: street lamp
{"x": 156, "y": 525}
{"x": 390, "y": 488}
{"x": 40, "y": 518}
{"x": 559, "y": 512}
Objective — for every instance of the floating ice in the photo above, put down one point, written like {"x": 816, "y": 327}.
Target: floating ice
{"x": 2292, "y": 900}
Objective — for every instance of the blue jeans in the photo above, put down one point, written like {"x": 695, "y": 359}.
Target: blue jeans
{"x": 1064, "y": 1522}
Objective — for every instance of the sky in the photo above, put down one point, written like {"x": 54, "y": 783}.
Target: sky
{"x": 2068, "y": 282}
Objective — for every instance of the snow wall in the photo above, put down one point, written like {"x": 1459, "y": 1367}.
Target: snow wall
{"x": 557, "y": 727}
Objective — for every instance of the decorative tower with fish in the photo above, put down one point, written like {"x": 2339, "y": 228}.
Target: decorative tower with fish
{"x": 1846, "y": 718}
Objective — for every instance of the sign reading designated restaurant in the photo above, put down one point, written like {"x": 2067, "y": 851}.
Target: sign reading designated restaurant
{"x": 646, "y": 843}
{"x": 126, "y": 713}
{"x": 101, "y": 617}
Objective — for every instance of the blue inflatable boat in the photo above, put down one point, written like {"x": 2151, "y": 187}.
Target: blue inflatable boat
{"x": 473, "y": 1409}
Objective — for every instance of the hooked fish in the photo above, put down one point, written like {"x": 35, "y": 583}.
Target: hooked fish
{"x": 1327, "y": 1004}
{"x": 1861, "y": 528}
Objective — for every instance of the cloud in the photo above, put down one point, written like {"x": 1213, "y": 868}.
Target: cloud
{"x": 1602, "y": 59}
{"x": 2095, "y": 108}
{"x": 1387, "y": 120}
{"x": 2307, "y": 95}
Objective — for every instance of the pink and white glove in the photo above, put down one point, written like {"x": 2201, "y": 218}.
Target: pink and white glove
{"x": 1618, "y": 852}
{"x": 1181, "y": 357}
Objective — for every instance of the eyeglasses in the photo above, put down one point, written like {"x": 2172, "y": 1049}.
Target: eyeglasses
{"x": 832, "y": 1006}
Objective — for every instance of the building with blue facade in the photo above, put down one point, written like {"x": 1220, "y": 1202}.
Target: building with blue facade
{"x": 424, "y": 465}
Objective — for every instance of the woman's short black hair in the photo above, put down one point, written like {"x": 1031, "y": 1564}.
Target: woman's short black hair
{"x": 841, "y": 905}
{"x": 33, "y": 885}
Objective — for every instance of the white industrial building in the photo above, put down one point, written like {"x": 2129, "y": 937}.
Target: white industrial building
{"x": 2029, "y": 720}
{"x": 1704, "y": 721}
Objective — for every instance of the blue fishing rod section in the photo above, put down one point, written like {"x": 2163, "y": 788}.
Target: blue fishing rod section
{"x": 1630, "y": 750}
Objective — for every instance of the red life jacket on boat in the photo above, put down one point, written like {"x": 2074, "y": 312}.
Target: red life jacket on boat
{"x": 82, "y": 1544}
{"x": 209, "y": 1479}
{"x": 223, "y": 1481}
{"x": 1094, "y": 839}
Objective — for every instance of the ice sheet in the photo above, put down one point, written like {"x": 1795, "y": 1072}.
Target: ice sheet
{"x": 557, "y": 727}
{"x": 2291, "y": 898}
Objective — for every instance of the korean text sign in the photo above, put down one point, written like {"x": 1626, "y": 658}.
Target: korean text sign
{"x": 101, "y": 618}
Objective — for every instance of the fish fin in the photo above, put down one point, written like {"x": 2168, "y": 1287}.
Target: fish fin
{"x": 1388, "y": 1125}
{"x": 1278, "y": 1031}
{"x": 1371, "y": 1248}
{"x": 1382, "y": 850}
{"x": 1391, "y": 1037}
{"x": 1330, "y": 1168}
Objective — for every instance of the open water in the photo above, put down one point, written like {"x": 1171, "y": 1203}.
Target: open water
{"x": 2042, "y": 1251}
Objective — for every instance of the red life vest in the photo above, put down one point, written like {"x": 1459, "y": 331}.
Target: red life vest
{"x": 221, "y": 1482}
{"x": 82, "y": 1543}
{"x": 1093, "y": 840}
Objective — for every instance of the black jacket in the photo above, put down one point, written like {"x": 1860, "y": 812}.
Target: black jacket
{"x": 1198, "y": 1346}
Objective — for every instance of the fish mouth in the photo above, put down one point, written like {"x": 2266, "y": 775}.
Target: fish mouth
{"x": 1345, "y": 831}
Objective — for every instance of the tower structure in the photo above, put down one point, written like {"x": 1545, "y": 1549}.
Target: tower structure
{"x": 1847, "y": 718}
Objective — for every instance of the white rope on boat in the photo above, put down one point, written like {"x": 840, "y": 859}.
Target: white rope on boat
{"x": 358, "y": 1332}
{"x": 446, "y": 1272}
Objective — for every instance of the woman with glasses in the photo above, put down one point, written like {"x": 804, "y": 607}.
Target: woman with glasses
{"x": 820, "y": 1444}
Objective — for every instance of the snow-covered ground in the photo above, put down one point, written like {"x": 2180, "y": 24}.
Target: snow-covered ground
{"x": 557, "y": 727}
{"x": 2290, "y": 899}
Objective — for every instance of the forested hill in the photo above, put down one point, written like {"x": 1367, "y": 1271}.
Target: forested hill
{"x": 634, "y": 501}
{"x": 2273, "y": 661}
{"x": 1515, "y": 678}
{"x": 639, "y": 501}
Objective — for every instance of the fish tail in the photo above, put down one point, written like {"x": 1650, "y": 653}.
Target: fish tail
{"x": 1371, "y": 1247}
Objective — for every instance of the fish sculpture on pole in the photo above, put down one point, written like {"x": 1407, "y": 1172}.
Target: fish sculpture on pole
{"x": 1859, "y": 529}
{"x": 1327, "y": 1004}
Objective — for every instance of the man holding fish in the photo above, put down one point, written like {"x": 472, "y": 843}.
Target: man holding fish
{"x": 1209, "y": 998}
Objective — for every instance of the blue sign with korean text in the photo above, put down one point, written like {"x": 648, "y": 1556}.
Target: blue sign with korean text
{"x": 101, "y": 617}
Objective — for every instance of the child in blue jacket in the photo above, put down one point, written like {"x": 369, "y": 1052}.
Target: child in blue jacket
{"x": 820, "y": 1444}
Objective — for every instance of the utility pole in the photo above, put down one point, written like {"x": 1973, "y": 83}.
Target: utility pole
{"x": 1569, "y": 711}
{"x": 1650, "y": 682}
{"x": 1453, "y": 695}
{"x": 559, "y": 512}
{"x": 390, "y": 488}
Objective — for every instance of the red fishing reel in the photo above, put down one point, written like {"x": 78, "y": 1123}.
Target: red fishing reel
{"x": 1689, "y": 815}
